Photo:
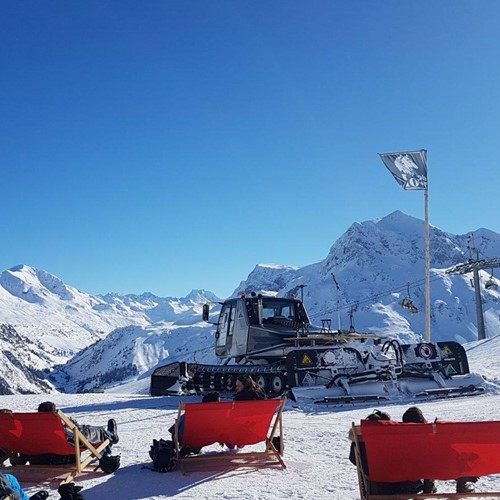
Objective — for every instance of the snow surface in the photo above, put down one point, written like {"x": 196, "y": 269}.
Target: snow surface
{"x": 316, "y": 443}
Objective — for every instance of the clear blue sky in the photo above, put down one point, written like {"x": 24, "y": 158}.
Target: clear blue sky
{"x": 168, "y": 145}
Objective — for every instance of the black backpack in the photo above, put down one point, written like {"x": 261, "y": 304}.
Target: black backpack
{"x": 70, "y": 491}
{"x": 163, "y": 455}
{"x": 109, "y": 463}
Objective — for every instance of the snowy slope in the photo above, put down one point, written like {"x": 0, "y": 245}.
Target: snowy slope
{"x": 46, "y": 323}
{"x": 21, "y": 363}
{"x": 42, "y": 306}
{"x": 131, "y": 353}
{"x": 484, "y": 356}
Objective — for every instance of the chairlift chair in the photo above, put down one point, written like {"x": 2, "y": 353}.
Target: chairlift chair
{"x": 491, "y": 284}
{"x": 407, "y": 302}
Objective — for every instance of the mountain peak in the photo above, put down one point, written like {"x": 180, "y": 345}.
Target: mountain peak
{"x": 201, "y": 294}
{"x": 21, "y": 267}
{"x": 33, "y": 285}
{"x": 399, "y": 222}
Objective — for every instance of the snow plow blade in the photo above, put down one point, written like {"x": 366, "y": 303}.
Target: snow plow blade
{"x": 351, "y": 400}
{"x": 168, "y": 380}
{"x": 351, "y": 375}
{"x": 470, "y": 390}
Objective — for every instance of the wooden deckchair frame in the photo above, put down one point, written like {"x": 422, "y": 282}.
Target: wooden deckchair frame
{"x": 364, "y": 479}
{"x": 224, "y": 460}
{"x": 81, "y": 446}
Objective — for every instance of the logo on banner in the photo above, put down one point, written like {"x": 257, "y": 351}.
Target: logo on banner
{"x": 409, "y": 172}
{"x": 409, "y": 168}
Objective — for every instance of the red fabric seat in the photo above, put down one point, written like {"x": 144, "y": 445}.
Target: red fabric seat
{"x": 33, "y": 434}
{"x": 443, "y": 450}
{"x": 240, "y": 423}
{"x": 44, "y": 433}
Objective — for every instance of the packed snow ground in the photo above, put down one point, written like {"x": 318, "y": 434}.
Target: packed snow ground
{"x": 316, "y": 443}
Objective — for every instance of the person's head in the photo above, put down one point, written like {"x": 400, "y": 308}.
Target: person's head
{"x": 414, "y": 415}
{"x": 47, "y": 406}
{"x": 211, "y": 397}
{"x": 245, "y": 381}
{"x": 378, "y": 415}
{"x": 5, "y": 410}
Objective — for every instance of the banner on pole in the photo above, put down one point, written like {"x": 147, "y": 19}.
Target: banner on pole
{"x": 409, "y": 168}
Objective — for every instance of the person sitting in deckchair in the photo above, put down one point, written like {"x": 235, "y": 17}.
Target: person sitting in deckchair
{"x": 247, "y": 389}
{"x": 376, "y": 488}
{"x": 95, "y": 435}
{"x": 464, "y": 484}
{"x": 210, "y": 397}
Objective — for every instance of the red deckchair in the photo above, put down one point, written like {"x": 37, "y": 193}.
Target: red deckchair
{"x": 239, "y": 423}
{"x": 397, "y": 452}
{"x": 43, "y": 433}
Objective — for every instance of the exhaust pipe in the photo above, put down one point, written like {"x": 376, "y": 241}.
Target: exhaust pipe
{"x": 260, "y": 308}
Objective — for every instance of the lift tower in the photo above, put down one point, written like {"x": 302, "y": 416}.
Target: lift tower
{"x": 475, "y": 266}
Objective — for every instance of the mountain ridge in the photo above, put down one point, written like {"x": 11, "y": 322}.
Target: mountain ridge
{"x": 89, "y": 342}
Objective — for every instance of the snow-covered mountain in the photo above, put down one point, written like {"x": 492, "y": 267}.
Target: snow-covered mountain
{"x": 372, "y": 263}
{"x": 133, "y": 352}
{"x": 36, "y": 302}
{"x": 114, "y": 338}
{"x": 22, "y": 362}
{"x": 44, "y": 323}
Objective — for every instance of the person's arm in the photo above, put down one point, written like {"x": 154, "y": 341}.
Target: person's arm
{"x": 70, "y": 436}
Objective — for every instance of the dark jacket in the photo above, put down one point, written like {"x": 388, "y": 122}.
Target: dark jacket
{"x": 249, "y": 395}
{"x": 376, "y": 488}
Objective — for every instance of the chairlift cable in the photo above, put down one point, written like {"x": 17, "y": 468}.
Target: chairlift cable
{"x": 374, "y": 297}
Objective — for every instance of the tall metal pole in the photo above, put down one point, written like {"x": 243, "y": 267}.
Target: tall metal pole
{"x": 475, "y": 266}
{"x": 427, "y": 270}
{"x": 481, "y": 333}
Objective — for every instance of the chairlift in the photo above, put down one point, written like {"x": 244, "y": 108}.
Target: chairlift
{"x": 407, "y": 302}
{"x": 491, "y": 284}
